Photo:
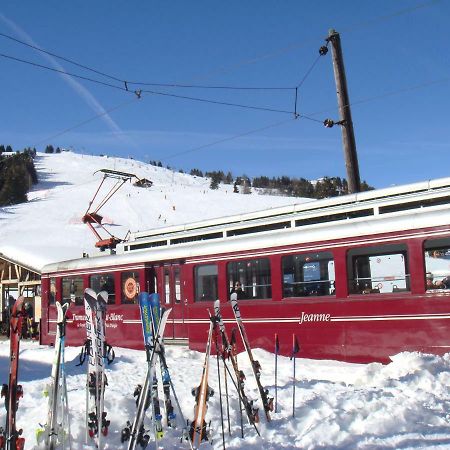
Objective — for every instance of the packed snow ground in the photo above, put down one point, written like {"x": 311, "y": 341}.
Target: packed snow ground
{"x": 402, "y": 405}
{"x": 48, "y": 228}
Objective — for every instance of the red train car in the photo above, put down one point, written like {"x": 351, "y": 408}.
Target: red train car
{"x": 356, "y": 278}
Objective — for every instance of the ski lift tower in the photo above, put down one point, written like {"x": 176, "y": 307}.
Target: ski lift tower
{"x": 94, "y": 220}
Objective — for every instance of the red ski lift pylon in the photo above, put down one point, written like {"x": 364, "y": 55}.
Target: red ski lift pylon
{"x": 93, "y": 217}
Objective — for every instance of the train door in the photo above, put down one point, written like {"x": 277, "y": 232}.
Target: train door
{"x": 171, "y": 297}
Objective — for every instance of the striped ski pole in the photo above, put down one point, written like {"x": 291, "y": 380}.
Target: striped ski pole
{"x": 277, "y": 349}
{"x": 295, "y": 350}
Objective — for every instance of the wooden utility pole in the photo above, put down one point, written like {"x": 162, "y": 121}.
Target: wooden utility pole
{"x": 348, "y": 136}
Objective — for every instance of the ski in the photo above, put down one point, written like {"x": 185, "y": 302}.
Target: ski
{"x": 155, "y": 313}
{"x": 10, "y": 437}
{"x": 165, "y": 378}
{"x": 96, "y": 422}
{"x": 267, "y": 402}
{"x": 185, "y": 431}
{"x": 136, "y": 432}
{"x": 199, "y": 430}
{"x": 228, "y": 353}
{"x": 57, "y": 428}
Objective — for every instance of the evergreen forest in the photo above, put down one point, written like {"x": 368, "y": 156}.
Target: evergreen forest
{"x": 17, "y": 175}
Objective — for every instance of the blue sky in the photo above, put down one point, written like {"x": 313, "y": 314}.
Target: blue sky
{"x": 396, "y": 60}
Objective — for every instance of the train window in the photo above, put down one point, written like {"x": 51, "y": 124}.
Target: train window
{"x": 250, "y": 278}
{"x": 104, "y": 283}
{"x": 176, "y": 275}
{"x": 437, "y": 264}
{"x": 374, "y": 270}
{"x": 167, "y": 285}
{"x": 52, "y": 292}
{"x": 309, "y": 274}
{"x": 72, "y": 290}
{"x": 130, "y": 287}
{"x": 206, "y": 283}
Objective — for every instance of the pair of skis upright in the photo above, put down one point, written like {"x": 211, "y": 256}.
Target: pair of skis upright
{"x": 99, "y": 353}
{"x": 267, "y": 401}
{"x": 228, "y": 352}
{"x": 56, "y": 431}
{"x": 199, "y": 429}
{"x": 10, "y": 437}
{"x": 154, "y": 320}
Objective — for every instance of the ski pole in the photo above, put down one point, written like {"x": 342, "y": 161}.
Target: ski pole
{"x": 295, "y": 349}
{"x": 214, "y": 322}
{"x": 163, "y": 356}
{"x": 220, "y": 394}
{"x": 277, "y": 349}
{"x": 226, "y": 396}
{"x": 233, "y": 347}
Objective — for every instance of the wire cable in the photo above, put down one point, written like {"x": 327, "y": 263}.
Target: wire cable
{"x": 308, "y": 72}
{"x": 61, "y": 57}
{"x": 231, "y": 138}
{"x": 91, "y": 119}
{"x": 138, "y": 92}
{"x": 381, "y": 96}
{"x": 81, "y": 77}
{"x": 287, "y": 48}
{"x": 216, "y": 102}
{"x": 126, "y": 82}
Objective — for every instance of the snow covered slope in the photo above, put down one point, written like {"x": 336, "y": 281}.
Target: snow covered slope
{"x": 49, "y": 228}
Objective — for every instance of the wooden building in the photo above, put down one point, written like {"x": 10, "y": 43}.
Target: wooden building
{"x": 16, "y": 278}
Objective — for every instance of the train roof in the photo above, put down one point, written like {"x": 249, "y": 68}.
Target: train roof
{"x": 388, "y": 209}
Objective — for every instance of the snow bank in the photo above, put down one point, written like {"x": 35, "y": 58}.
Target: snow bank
{"x": 338, "y": 405}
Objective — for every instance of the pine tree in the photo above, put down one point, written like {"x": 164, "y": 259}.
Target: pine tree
{"x": 228, "y": 178}
{"x": 215, "y": 180}
{"x": 16, "y": 185}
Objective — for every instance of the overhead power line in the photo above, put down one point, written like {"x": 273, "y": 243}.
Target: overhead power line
{"x": 139, "y": 91}
{"x": 84, "y": 122}
{"x": 146, "y": 83}
{"x": 230, "y": 138}
{"x": 63, "y": 58}
{"x": 299, "y": 44}
{"x": 81, "y": 77}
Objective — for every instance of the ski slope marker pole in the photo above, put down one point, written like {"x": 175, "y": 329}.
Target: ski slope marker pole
{"x": 295, "y": 350}
{"x": 277, "y": 349}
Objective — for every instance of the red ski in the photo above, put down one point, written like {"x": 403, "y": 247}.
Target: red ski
{"x": 10, "y": 437}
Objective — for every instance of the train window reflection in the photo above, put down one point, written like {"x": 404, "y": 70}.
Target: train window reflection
{"x": 308, "y": 275}
{"x": 72, "y": 290}
{"x": 378, "y": 270}
{"x": 250, "y": 278}
{"x": 104, "y": 283}
{"x": 206, "y": 283}
{"x": 437, "y": 264}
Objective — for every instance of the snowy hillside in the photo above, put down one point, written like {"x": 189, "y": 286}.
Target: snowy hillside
{"x": 49, "y": 228}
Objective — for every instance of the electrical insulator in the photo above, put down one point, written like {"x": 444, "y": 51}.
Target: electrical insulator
{"x": 323, "y": 50}
{"x": 328, "y": 123}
